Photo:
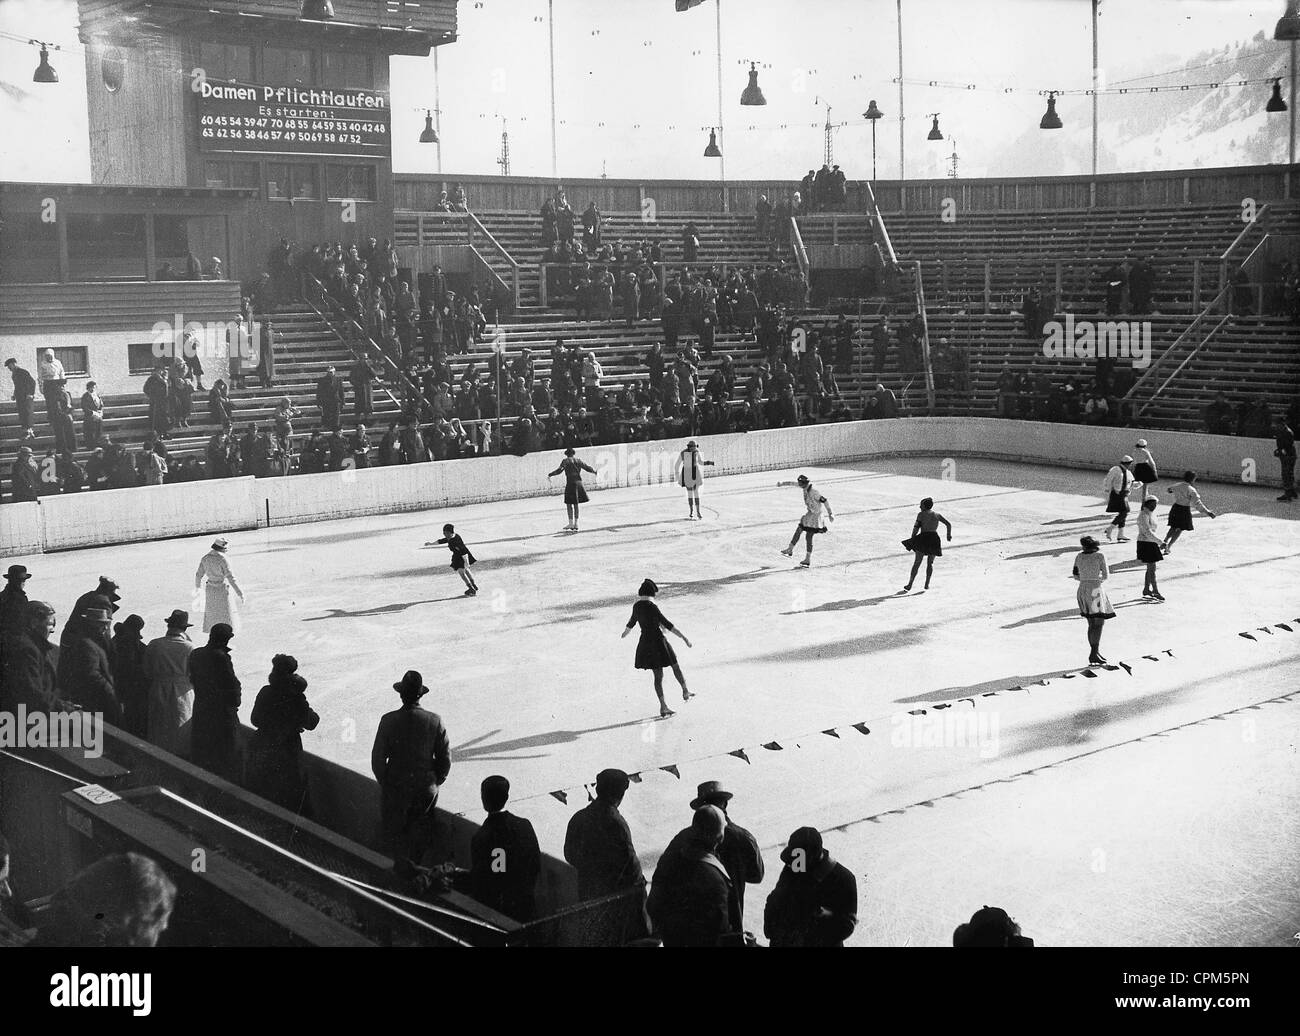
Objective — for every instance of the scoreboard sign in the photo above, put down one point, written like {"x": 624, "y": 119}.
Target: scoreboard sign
{"x": 293, "y": 120}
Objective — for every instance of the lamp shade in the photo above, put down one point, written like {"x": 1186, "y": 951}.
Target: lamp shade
{"x": 1275, "y": 102}
{"x": 45, "y": 71}
{"x": 873, "y": 113}
{"x": 1050, "y": 119}
{"x": 935, "y": 133}
{"x": 1288, "y": 26}
{"x": 752, "y": 95}
{"x": 713, "y": 151}
{"x": 429, "y": 135}
{"x": 317, "y": 10}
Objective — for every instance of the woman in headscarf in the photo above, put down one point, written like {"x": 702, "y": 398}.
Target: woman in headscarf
{"x": 280, "y": 715}
{"x": 653, "y": 651}
{"x": 215, "y": 569}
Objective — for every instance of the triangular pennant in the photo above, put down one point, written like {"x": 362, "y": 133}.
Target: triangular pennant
{"x": 562, "y": 796}
{"x": 635, "y": 778}
{"x": 772, "y": 746}
{"x": 1246, "y": 635}
{"x": 862, "y": 728}
{"x": 1284, "y": 626}
{"x": 739, "y": 753}
{"x": 832, "y": 732}
{"x": 671, "y": 768}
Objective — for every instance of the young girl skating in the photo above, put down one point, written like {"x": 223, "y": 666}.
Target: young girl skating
{"x": 574, "y": 491}
{"x": 1180, "y": 514}
{"x": 461, "y": 558}
{"x": 924, "y": 542}
{"x": 1148, "y": 547}
{"x": 653, "y": 651}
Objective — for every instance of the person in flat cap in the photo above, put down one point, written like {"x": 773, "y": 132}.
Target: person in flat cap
{"x": 989, "y": 926}
{"x": 215, "y": 725}
{"x": 692, "y": 901}
{"x": 280, "y": 715}
{"x": 13, "y": 604}
{"x": 815, "y": 902}
{"x": 171, "y": 696}
{"x": 505, "y": 859}
{"x": 85, "y": 676}
{"x": 214, "y": 570}
{"x": 738, "y": 849}
{"x": 410, "y": 759}
{"x": 598, "y": 844}
{"x": 128, "y": 658}
{"x": 690, "y": 474}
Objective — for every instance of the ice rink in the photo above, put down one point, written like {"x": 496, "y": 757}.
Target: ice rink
{"x": 945, "y": 742}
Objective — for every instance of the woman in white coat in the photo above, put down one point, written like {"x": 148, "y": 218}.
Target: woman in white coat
{"x": 215, "y": 569}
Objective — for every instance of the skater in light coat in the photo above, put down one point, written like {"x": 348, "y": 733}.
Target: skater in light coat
{"x": 215, "y": 569}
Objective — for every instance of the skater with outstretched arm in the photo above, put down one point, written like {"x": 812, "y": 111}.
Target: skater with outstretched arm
{"x": 574, "y": 491}
{"x": 690, "y": 473}
{"x": 924, "y": 542}
{"x": 653, "y": 651}
{"x": 461, "y": 557}
{"x": 810, "y": 524}
{"x": 1180, "y": 514}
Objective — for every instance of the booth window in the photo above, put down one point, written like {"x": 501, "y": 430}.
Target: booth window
{"x": 351, "y": 183}
{"x": 291, "y": 181}
{"x": 285, "y": 66}
{"x": 226, "y": 61}
{"x": 344, "y": 68}
{"x": 141, "y": 357}
{"x": 104, "y": 246}
{"x": 231, "y": 174}
{"x": 73, "y": 359}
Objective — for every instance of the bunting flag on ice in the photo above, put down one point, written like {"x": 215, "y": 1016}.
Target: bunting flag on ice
{"x": 773, "y": 746}
{"x": 562, "y": 796}
{"x": 739, "y": 753}
{"x": 673, "y": 770}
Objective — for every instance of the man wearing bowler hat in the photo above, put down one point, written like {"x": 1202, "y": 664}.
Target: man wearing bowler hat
{"x": 171, "y": 696}
{"x": 815, "y": 902}
{"x": 410, "y": 759}
{"x": 738, "y": 849}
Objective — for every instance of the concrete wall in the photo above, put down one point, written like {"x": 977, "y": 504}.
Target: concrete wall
{"x": 129, "y": 515}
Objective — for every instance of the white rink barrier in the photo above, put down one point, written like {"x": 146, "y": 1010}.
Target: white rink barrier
{"x": 146, "y": 513}
{"x": 194, "y": 508}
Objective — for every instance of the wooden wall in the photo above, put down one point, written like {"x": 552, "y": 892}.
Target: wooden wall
{"x": 1172, "y": 189}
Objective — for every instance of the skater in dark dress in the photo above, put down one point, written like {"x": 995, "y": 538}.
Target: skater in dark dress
{"x": 924, "y": 542}
{"x": 1180, "y": 514}
{"x": 574, "y": 491}
{"x": 653, "y": 651}
{"x": 461, "y": 558}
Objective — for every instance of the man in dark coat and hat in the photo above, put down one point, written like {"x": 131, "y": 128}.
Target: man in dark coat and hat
{"x": 127, "y": 656}
{"x": 104, "y": 596}
{"x": 13, "y": 604}
{"x": 410, "y": 759}
{"x": 84, "y": 674}
{"x": 28, "y": 675}
{"x": 505, "y": 860}
{"x": 330, "y": 395}
{"x": 598, "y": 844}
{"x": 738, "y": 849}
{"x": 214, "y": 723}
{"x": 815, "y": 902}
{"x": 692, "y": 901}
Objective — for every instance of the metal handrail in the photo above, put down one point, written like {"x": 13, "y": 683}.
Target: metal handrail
{"x": 514, "y": 266}
{"x": 925, "y": 339}
{"x": 1260, "y": 220}
{"x": 1186, "y": 360}
{"x": 800, "y": 252}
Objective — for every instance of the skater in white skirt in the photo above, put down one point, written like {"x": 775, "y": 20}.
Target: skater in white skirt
{"x": 215, "y": 569}
{"x": 1091, "y": 570}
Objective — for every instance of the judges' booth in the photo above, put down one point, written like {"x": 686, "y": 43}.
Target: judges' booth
{"x": 107, "y": 276}
{"x": 286, "y": 99}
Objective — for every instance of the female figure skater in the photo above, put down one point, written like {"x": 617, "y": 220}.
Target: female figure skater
{"x": 1144, "y": 470}
{"x": 925, "y": 541}
{"x": 690, "y": 475}
{"x": 574, "y": 492}
{"x": 1118, "y": 484}
{"x": 1148, "y": 548}
{"x": 461, "y": 558}
{"x": 1180, "y": 514}
{"x": 215, "y": 569}
{"x": 811, "y": 523}
{"x": 1091, "y": 570}
{"x": 653, "y": 651}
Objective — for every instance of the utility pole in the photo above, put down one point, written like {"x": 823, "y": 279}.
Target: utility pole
{"x": 504, "y": 160}
{"x": 722, "y": 161}
{"x": 1096, "y": 85}
{"x": 830, "y": 138}
{"x": 902, "y": 166}
{"x": 952, "y": 159}
{"x": 550, "y": 28}
{"x": 437, "y": 110}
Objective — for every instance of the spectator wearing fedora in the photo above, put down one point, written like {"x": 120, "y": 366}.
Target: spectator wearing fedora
{"x": 171, "y": 696}
{"x": 280, "y": 714}
{"x": 215, "y": 724}
{"x": 104, "y": 596}
{"x": 24, "y": 477}
{"x": 598, "y": 844}
{"x": 989, "y": 926}
{"x": 692, "y": 901}
{"x": 13, "y": 604}
{"x": 505, "y": 859}
{"x": 815, "y": 902}
{"x": 127, "y": 655}
{"x": 85, "y": 676}
{"x": 410, "y": 759}
{"x": 738, "y": 850}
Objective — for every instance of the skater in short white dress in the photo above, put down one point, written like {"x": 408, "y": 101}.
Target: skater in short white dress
{"x": 1091, "y": 570}
{"x": 810, "y": 524}
{"x": 215, "y": 569}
